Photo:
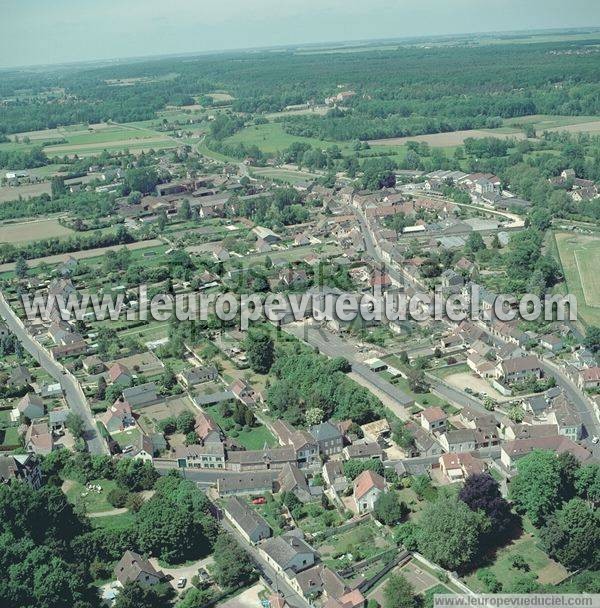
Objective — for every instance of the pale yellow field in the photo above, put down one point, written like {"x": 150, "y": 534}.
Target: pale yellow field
{"x": 24, "y": 232}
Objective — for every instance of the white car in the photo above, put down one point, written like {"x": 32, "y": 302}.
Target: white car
{"x": 181, "y": 582}
{"x": 595, "y": 439}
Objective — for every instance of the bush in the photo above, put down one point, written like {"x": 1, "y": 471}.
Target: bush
{"x": 489, "y": 580}
{"x": 134, "y": 502}
{"x": 118, "y": 497}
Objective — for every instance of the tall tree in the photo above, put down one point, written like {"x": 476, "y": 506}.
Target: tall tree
{"x": 260, "y": 351}
{"x": 572, "y": 536}
{"x": 398, "y": 593}
{"x": 21, "y": 268}
{"x": 233, "y": 567}
{"x": 482, "y": 493}
{"x": 587, "y": 483}
{"x": 134, "y": 595}
{"x": 450, "y": 532}
{"x": 389, "y": 509}
{"x": 537, "y": 487}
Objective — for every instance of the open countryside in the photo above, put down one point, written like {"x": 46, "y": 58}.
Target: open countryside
{"x": 192, "y": 457}
{"x": 580, "y": 259}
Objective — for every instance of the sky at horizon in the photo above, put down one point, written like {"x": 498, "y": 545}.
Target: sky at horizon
{"x": 40, "y": 32}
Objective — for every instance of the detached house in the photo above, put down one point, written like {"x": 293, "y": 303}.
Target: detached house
{"x": 368, "y": 486}
{"x": 19, "y": 376}
{"x": 23, "y": 468}
{"x": 292, "y": 479}
{"x": 244, "y": 392}
{"x": 141, "y": 395}
{"x": 563, "y": 414}
{"x": 38, "y": 439}
{"x": 132, "y": 567}
{"x": 118, "y": 416}
{"x": 207, "y": 429}
{"x": 457, "y": 467}
{"x": 120, "y": 375}
{"x": 198, "y": 375}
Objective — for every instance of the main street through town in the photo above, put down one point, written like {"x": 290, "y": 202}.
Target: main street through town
{"x": 69, "y": 384}
{"x": 583, "y": 407}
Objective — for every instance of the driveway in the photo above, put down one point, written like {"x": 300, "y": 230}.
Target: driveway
{"x": 249, "y": 598}
{"x": 187, "y": 571}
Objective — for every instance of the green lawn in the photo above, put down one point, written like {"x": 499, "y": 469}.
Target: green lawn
{"x": 526, "y": 546}
{"x": 271, "y": 138}
{"x": 254, "y": 438}
{"x": 10, "y": 436}
{"x": 448, "y": 370}
{"x": 362, "y": 541}
{"x": 544, "y": 121}
{"x": 94, "y": 502}
{"x": 129, "y": 437}
{"x": 285, "y": 175}
{"x": 579, "y": 256}
{"x": 317, "y": 519}
{"x": 271, "y": 511}
{"x": 426, "y": 399}
{"x": 413, "y": 502}
{"x": 114, "y": 522}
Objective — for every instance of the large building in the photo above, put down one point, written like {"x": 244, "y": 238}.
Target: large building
{"x": 248, "y": 522}
{"x": 512, "y": 451}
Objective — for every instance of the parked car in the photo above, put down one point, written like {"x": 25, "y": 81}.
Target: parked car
{"x": 595, "y": 439}
{"x": 181, "y": 582}
{"x": 259, "y": 501}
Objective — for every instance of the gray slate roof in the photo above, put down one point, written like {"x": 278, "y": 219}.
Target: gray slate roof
{"x": 325, "y": 431}
{"x": 244, "y": 515}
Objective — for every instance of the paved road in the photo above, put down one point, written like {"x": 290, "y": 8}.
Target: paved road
{"x": 332, "y": 345}
{"x": 71, "y": 388}
{"x": 590, "y": 422}
{"x": 584, "y": 409}
{"x": 454, "y": 395}
{"x": 276, "y": 581}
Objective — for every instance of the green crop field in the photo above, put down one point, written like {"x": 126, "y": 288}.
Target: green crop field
{"x": 271, "y": 137}
{"x": 285, "y": 175}
{"x": 580, "y": 257}
{"x": 85, "y": 141}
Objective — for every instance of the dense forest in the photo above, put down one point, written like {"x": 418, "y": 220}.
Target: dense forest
{"x": 398, "y": 92}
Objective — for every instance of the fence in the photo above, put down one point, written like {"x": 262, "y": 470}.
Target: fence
{"x": 451, "y": 576}
{"x": 370, "y": 583}
{"x": 354, "y": 568}
{"x": 341, "y": 529}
